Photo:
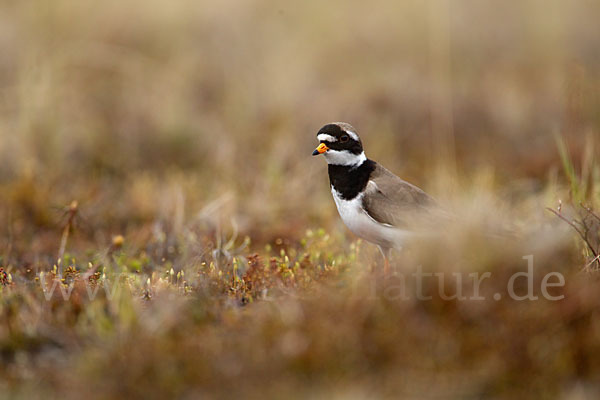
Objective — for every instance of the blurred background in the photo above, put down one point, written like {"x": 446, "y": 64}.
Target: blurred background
{"x": 123, "y": 105}
{"x": 177, "y": 124}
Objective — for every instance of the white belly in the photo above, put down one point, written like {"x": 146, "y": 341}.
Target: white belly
{"x": 365, "y": 227}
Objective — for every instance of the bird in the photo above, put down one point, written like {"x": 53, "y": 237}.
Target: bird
{"x": 373, "y": 203}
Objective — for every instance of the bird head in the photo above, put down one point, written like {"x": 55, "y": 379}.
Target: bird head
{"x": 340, "y": 145}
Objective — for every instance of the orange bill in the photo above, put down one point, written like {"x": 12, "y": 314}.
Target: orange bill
{"x": 320, "y": 150}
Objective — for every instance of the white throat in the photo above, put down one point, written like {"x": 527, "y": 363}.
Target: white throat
{"x": 344, "y": 157}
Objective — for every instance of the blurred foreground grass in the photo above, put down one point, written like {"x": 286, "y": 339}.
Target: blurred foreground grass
{"x": 183, "y": 132}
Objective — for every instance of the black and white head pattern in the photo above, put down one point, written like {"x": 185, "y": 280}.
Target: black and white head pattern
{"x": 344, "y": 145}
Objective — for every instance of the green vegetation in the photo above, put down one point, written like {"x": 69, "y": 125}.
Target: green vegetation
{"x": 164, "y": 232}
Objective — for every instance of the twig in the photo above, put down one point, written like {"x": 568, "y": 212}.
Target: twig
{"x": 593, "y": 214}
{"x": 590, "y": 211}
{"x": 572, "y": 224}
{"x": 595, "y": 259}
{"x": 9, "y": 245}
{"x": 91, "y": 271}
{"x": 71, "y": 213}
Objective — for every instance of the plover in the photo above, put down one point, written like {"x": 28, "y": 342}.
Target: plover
{"x": 375, "y": 204}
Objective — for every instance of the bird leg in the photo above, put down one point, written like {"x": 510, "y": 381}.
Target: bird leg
{"x": 385, "y": 252}
{"x": 386, "y": 267}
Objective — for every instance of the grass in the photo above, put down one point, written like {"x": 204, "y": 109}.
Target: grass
{"x": 581, "y": 217}
{"x": 189, "y": 312}
{"x": 165, "y": 233}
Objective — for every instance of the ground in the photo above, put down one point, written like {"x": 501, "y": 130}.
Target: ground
{"x": 165, "y": 233}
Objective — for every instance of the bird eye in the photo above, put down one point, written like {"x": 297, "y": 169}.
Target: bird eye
{"x": 344, "y": 138}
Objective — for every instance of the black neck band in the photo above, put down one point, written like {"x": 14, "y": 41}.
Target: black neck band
{"x": 349, "y": 181}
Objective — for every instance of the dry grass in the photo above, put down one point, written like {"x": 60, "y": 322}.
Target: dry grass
{"x": 183, "y": 132}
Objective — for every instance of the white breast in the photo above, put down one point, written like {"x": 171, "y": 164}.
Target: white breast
{"x": 363, "y": 226}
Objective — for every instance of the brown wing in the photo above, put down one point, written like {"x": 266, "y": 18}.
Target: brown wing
{"x": 392, "y": 201}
